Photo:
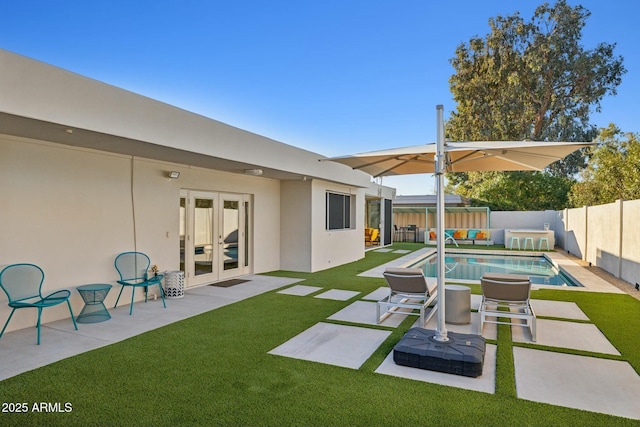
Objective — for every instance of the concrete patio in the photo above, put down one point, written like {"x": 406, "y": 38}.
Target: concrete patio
{"x": 19, "y": 352}
{"x": 581, "y": 382}
{"x": 541, "y": 374}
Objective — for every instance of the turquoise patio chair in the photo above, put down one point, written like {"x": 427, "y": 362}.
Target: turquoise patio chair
{"x": 132, "y": 268}
{"x": 23, "y": 285}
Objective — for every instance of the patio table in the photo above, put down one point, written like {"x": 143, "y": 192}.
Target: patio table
{"x": 94, "y": 310}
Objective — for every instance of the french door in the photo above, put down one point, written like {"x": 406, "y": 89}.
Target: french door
{"x": 214, "y": 237}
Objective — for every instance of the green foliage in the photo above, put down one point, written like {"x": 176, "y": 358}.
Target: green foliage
{"x": 513, "y": 191}
{"x": 612, "y": 172}
{"x": 530, "y": 80}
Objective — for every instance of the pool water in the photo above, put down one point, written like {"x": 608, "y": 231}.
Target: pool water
{"x": 473, "y": 266}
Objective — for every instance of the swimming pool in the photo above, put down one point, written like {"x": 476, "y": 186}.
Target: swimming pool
{"x": 467, "y": 266}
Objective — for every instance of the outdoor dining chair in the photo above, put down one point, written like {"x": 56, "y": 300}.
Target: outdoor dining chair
{"x": 23, "y": 285}
{"x": 133, "y": 269}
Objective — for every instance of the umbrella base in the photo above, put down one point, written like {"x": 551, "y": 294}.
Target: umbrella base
{"x": 463, "y": 354}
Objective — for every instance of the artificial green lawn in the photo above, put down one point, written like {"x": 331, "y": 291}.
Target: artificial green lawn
{"x": 213, "y": 369}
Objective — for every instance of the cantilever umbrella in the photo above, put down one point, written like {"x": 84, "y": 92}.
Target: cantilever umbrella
{"x": 443, "y": 157}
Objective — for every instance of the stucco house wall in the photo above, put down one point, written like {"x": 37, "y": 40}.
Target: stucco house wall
{"x": 630, "y": 244}
{"x": 603, "y": 231}
{"x": 335, "y": 247}
{"x": 83, "y": 177}
{"x": 603, "y": 235}
{"x": 575, "y": 226}
{"x": 71, "y": 211}
{"x": 295, "y": 226}
{"x": 306, "y": 243}
{"x": 522, "y": 219}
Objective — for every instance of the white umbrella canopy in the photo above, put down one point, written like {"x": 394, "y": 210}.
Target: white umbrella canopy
{"x": 442, "y": 157}
{"x": 462, "y": 157}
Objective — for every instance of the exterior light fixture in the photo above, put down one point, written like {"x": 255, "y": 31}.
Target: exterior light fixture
{"x": 254, "y": 172}
{"x": 174, "y": 175}
{"x": 69, "y": 131}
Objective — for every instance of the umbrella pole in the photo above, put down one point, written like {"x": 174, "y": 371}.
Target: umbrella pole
{"x": 440, "y": 167}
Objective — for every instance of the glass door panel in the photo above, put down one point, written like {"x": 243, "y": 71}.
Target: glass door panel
{"x": 230, "y": 231}
{"x": 183, "y": 232}
{"x": 231, "y": 235}
{"x": 373, "y": 213}
{"x": 214, "y": 237}
{"x": 203, "y": 236}
{"x": 246, "y": 234}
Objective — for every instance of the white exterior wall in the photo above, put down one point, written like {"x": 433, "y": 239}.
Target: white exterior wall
{"x": 557, "y": 225}
{"x": 295, "y": 226}
{"x": 306, "y": 243}
{"x": 604, "y": 235}
{"x": 65, "y": 208}
{"x": 70, "y": 211}
{"x": 603, "y": 231}
{"x": 630, "y": 250}
{"x": 67, "y": 188}
{"x": 522, "y": 219}
{"x": 505, "y": 220}
{"x": 335, "y": 247}
{"x": 576, "y": 231}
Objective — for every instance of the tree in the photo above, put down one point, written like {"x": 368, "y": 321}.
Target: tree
{"x": 612, "y": 172}
{"x": 531, "y": 80}
{"x": 516, "y": 191}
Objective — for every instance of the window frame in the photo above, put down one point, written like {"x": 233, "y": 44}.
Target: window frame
{"x": 338, "y": 211}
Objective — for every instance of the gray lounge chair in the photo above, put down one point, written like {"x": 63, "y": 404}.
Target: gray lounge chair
{"x": 510, "y": 291}
{"x": 408, "y": 289}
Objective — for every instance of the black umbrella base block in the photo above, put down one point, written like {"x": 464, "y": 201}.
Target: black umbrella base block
{"x": 463, "y": 354}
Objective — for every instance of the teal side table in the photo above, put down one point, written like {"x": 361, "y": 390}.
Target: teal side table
{"x": 94, "y": 310}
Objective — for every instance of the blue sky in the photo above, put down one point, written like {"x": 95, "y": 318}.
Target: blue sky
{"x": 335, "y": 77}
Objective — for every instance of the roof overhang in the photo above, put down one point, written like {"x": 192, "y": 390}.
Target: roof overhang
{"x": 43, "y": 102}
{"x": 73, "y": 136}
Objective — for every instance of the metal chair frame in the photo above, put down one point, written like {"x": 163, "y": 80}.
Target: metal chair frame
{"x": 133, "y": 270}
{"x": 544, "y": 240}
{"x": 408, "y": 289}
{"x": 507, "y": 296}
{"x": 514, "y": 239}
{"x": 528, "y": 240}
{"x": 23, "y": 285}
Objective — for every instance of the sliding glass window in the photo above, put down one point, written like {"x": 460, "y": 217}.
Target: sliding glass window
{"x": 338, "y": 211}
